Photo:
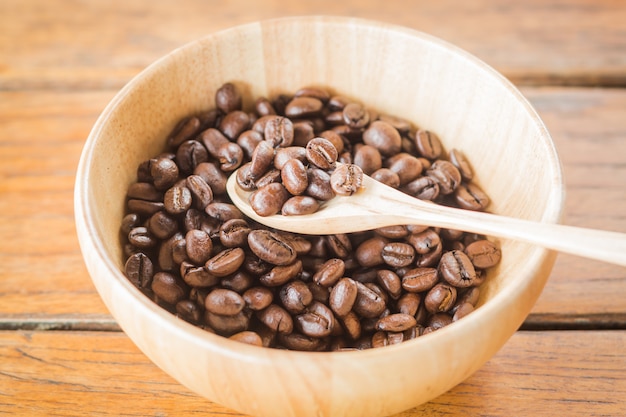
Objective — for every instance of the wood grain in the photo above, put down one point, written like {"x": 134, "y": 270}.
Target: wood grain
{"x": 66, "y": 44}
{"x": 95, "y": 373}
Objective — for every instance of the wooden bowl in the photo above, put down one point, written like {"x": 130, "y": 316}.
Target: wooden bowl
{"x": 393, "y": 70}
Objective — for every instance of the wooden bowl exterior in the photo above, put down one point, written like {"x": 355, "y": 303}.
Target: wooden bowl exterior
{"x": 393, "y": 70}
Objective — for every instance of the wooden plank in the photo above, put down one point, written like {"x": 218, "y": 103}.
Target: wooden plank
{"x": 95, "y": 373}
{"x": 43, "y": 276}
{"x": 92, "y": 44}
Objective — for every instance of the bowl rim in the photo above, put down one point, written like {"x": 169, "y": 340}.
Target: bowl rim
{"x": 90, "y": 240}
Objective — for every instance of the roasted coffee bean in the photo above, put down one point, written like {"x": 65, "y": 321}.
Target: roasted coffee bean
{"x": 172, "y": 252}
{"x": 424, "y": 188}
{"x": 329, "y": 272}
{"x": 295, "y": 296}
{"x": 270, "y": 177}
{"x": 214, "y": 177}
{"x": 177, "y": 200}
{"x": 446, "y": 175}
{"x": 283, "y": 155}
{"x": 387, "y": 177}
{"x": 223, "y": 212}
{"x": 139, "y": 270}
{"x": 271, "y": 248}
{"x": 189, "y": 154}
{"x": 317, "y": 321}
{"x": 294, "y": 177}
{"x": 355, "y": 115}
{"x": 462, "y": 311}
{"x": 439, "y": 320}
{"x": 368, "y": 303}
{"x": 248, "y": 141}
{"x": 129, "y": 222}
{"x": 419, "y": 279}
{"x": 483, "y": 253}
{"x": 370, "y": 252}
{"x": 339, "y": 245}
{"x": 431, "y": 258}
{"x": 406, "y": 166}
{"x": 409, "y": 303}
{"x": 227, "y": 325}
{"x": 213, "y": 139}
{"x": 230, "y": 156}
{"x": 299, "y": 205}
{"x": 393, "y": 232}
{"x": 199, "y": 246}
{"x": 164, "y": 172}
{"x": 144, "y": 191}
{"x": 184, "y": 131}
{"x": 276, "y": 318}
{"x": 390, "y": 282}
{"x": 258, "y": 298}
{"x": 168, "y": 288}
{"x": 471, "y": 197}
{"x": 383, "y": 137}
{"x": 264, "y": 107}
{"x": 457, "y": 269}
{"x": 300, "y": 342}
{"x": 234, "y": 233}
{"x": 398, "y": 254}
{"x": 234, "y": 123}
{"x": 303, "y": 106}
{"x": 188, "y": 311}
{"x": 319, "y": 184}
{"x": 321, "y": 153}
{"x": 269, "y": 199}
{"x": 225, "y": 262}
{"x": 201, "y": 192}
{"x": 315, "y": 92}
{"x": 279, "y": 131}
{"x": 428, "y": 144}
{"x": 425, "y": 241}
{"x": 224, "y": 302}
{"x": 346, "y": 179}
{"x": 248, "y": 337}
{"x": 142, "y": 238}
{"x": 343, "y": 296}
{"x": 197, "y": 276}
{"x": 280, "y": 274}
{"x": 228, "y": 98}
{"x": 398, "y": 322}
{"x": 162, "y": 225}
{"x": 368, "y": 158}
{"x": 440, "y": 298}
{"x": 459, "y": 160}
{"x": 239, "y": 282}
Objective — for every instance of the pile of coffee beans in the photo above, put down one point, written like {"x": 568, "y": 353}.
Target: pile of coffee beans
{"x": 192, "y": 251}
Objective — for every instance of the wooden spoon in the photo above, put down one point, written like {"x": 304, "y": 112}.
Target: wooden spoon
{"x": 377, "y": 205}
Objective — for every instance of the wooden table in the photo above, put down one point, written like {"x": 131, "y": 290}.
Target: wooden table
{"x": 61, "y": 61}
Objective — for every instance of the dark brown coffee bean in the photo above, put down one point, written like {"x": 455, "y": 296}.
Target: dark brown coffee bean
{"x": 185, "y": 130}
{"x": 189, "y": 311}
{"x": 144, "y": 191}
{"x": 223, "y": 212}
{"x": 321, "y": 153}
{"x": 248, "y": 337}
{"x": 213, "y": 139}
{"x": 162, "y": 225}
{"x": 129, "y": 222}
{"x": 387, "y": 177}
{"x": 398, "y": 254}
{"x": 198, "y": 246}
{"x": 428, "y": 144}
{"x": 383, "y": 137}
{"x": 295, "y": 296}
{"x": 197, "y": 276}
{"x": 271, "y": 248}
{"x": 471, "y": 197}
{"x": 390, "y": 282}
{"x": 446, "y": 175}
{"x": 300, "y": 342}
{"x": 213, "y": 176}
{"x": 459, "y": 160}
{"x": 339, "y": 245}
{"x": 300, "y": 205}
{"x": 431, "y": 258}
{"x": 303, "y": 106}
{"x": 234, "y": 233}
{"x": 139, "y": 270}
{"x": 409, "y": 303}
{"x": 319, "y": 184}
{"x": 368, "y": 158}
{"x": 172, "y": 252}
{"x": 168, "y": 288}
{"x": 406, "y": 166}
{"x": 419, "y": 279}
{"x": 201, "y": 192}
{"x": 424, "y": 188}
{"x": 270, "y": 177}
{"x": 239, "y": 282}
{"x": 262, "y": 159}
{"x": 330, "y": 272}
{"x": 142, "y": 238}
{"x": 269, "y": 199}
{"x": 177, "y": 200}
{"x": 355, "y": 115}
{"x": 280, "y": 274}
{"x": 224, "y": 302}
{"x": 315, "y": 92}
{"x": 457, "y": 269}
{"x": 189, "y": 154}
{"x": 317, "y": 321}
{"x": 343, "y": 296}
{"x": 398, "y": 322}
{"x": 230, "y": 156}
{"x": 303, "y": 132}
{"x": 283, "y": 155}
{"x": 228, "y": 325}
{"x": 370, "y": 252}
{"x": 402, "y": 125}
{"x": 248, "y": 141}
{"x": 439, "y": 320}
{"x": 462, "y": 311}
{"x": 228, "y": 98}
{"x": 258, "y": 298}
{"x": 276, "y": 318}
{"x": 346, "y": 179}
{"x": 425, "y": 241}
{"x": 294, "y": 176}
{"x": 234, "y": 123}
{"x": 279, "y": 131}
{"x": 483, "y": 253}
{"x": 440, "y": 298}
{"x": 393, "y": 232}
{"x": 225, "y": 262}
{"x": 368, "y": 303}
{"x": 164, "y": 172}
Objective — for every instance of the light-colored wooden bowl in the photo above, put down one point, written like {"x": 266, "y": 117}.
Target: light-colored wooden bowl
{"x": 393, "y": 70}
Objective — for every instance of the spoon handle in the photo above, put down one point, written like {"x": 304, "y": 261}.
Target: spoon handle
{"x": 602, "y": 245}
